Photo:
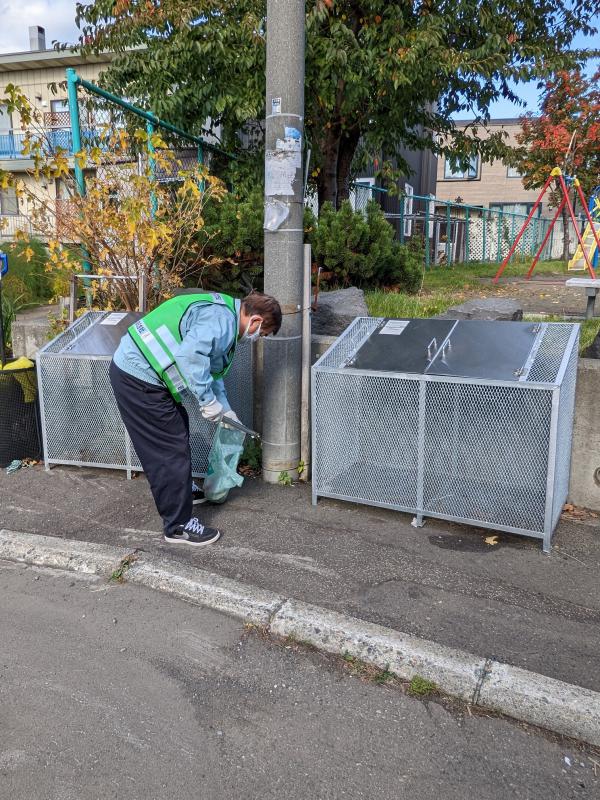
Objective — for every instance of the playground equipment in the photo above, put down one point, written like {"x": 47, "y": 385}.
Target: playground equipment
{"x": 590, "y": 240}
{"x": 565, "y": 201}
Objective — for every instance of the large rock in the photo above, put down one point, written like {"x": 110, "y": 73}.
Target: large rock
{"x": 336, "y": 310}
{"x": 496, "y": 308}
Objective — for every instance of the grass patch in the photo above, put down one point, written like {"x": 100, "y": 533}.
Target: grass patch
{"x": 421, "y": 687}
{"x": 368, "y": 672}
{"x": 443, "y": 287}
{"x": 589, "y": 329}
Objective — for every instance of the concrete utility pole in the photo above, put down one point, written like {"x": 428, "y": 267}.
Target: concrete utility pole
{"x": 284, "y": 191}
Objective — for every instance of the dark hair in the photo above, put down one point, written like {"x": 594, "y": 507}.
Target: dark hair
{"x": 265, "y": 306}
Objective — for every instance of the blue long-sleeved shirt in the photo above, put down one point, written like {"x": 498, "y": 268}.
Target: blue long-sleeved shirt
{"x": 208, "y": 333}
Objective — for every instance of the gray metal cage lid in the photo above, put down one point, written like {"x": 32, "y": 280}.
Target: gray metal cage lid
{"x": 478, "y": 350}
{"x": 459, "y": 348}
{"x": 95, "y": 333}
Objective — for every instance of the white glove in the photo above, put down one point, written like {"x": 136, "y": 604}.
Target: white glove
{"x": 212, "y": 411}
{"x": 231, "y": 415}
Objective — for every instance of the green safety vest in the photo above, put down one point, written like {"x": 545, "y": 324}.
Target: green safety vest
{"x": 158, "y": 334}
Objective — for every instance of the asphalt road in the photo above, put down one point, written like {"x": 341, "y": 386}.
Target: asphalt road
{"x": 507, "y": 601}
{"x": 113, "y": 691}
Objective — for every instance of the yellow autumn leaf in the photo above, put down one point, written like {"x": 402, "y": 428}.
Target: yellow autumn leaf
{"x": 491, "y": 540}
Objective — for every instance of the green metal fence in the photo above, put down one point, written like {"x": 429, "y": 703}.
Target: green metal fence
{"x": 453, "y": 233}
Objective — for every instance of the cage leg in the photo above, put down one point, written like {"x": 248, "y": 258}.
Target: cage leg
{"x": 417, "y": 521}
{"x": 128, "y": 455}
{"x": 314, "y": 498}
{"x": 547, "y": 542}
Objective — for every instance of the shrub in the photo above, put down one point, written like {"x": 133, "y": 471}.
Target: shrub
{"x": 233, "y": 244}
{"x": 27, "y": 272}
{"x": 359, "y": 249}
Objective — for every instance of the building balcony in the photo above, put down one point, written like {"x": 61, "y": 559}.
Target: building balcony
{"x": 11, "y": 223}
{"x": 59, "y": 222}
{"x": 13, "y": 142}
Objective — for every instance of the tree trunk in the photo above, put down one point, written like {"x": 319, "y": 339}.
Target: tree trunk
{"x": 566, "y": 238}
{"x": 327, "y": 179}
{"x": 347, "y": 149}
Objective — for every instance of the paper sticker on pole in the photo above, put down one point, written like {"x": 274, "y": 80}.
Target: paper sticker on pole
{"x": 280, "y": 171}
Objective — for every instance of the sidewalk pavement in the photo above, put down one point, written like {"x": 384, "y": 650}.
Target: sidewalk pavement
{"x": 139, "y": 696}
{"x": 507, "y": 601}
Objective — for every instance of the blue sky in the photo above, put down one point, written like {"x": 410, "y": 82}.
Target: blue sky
{"x": 529, "y": 91}
{"x": 57, "y": 17}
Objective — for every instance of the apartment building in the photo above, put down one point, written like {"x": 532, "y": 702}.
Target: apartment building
{"x": 489, "y": 185}
{"x": 35, "y": 72}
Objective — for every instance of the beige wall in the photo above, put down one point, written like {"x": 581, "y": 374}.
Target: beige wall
{"x": 34, "y": 84}
{"x": 492, "y": 184}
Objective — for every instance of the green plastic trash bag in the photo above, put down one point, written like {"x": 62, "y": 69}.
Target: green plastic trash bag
{"x": 223, "y": 459}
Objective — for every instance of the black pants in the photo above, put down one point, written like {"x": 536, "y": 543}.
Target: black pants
{"x": 159, "y": 429}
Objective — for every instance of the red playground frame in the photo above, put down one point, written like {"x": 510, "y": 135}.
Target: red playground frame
{"x": 566, "y": 201}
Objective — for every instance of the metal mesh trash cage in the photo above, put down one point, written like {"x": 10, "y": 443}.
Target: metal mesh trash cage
{"x": 19, "y": 423}
{"x": 81, "y": 424}
{"x": 466, "y": 421}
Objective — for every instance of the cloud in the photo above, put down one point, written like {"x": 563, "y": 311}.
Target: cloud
{"x": 56, "y": 16}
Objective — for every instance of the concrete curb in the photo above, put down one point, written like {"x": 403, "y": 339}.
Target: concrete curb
{"x": 48, "y": 551}
{"x": 456, "y": 672}
{"x": 527, "y": 696}
{"x": 248, "y": 603}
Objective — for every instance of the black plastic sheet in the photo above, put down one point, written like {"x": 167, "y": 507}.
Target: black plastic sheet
{"x": 19, "y": 416}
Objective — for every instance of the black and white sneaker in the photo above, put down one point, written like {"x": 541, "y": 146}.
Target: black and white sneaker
{"x": 193, "y": 533}
{"x": 197, "y": 494}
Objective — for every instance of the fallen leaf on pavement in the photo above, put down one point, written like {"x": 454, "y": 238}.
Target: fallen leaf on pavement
{"x": 491, "y": 540}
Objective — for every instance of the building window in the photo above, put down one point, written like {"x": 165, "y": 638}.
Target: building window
{"x": 515, "y": 208}
{"x": 513, "y": 172}
{"x": 9, "y": 202}
{"x": 59, "y": 106}
{"x": 454, "y": 172}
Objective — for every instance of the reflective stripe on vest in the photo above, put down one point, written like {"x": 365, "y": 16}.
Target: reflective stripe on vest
{"x": 158, "y": 335}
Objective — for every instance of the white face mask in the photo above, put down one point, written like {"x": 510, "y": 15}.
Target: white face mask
{"x": 252, "y": 337}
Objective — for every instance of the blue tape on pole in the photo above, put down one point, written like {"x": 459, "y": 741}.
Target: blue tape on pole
{"x": 3, "y": 264}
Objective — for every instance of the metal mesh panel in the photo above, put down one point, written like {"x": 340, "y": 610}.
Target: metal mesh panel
{"x": 549, "y": 357}
{"x": 349, "y": 342}
{"x": 486, "y": 453}
{"x": 564, "y": 435}
{"x": 366, "y": 429}
{"x": 66, "y": 338}
{"x": 81, "y": 418}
